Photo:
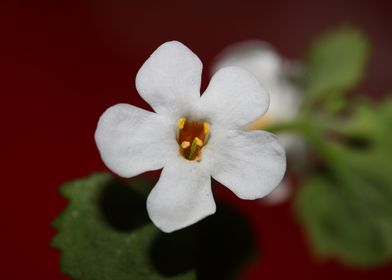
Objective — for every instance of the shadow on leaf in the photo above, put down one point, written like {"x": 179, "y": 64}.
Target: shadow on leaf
{"x": 122, "y": 207}
{"x": 218, "y": 246}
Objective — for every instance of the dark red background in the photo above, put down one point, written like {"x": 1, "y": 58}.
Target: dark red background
{"x": 63, "y": 63}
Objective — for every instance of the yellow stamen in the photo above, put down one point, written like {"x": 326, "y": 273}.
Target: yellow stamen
{"x": 185, "y": 144}
{"x": 195, "y": 143}
{"x": 192, "y": 136}
{"x": 206, "y": 127}
{"x": 181, "y": 123}
{"x": 198, "y": 141}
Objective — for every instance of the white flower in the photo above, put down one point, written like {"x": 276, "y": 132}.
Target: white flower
{"x": 275, "y": 74}
{"x": 192, "y": 137}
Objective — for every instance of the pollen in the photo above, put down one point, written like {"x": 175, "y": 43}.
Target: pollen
{"x": 181, "y": 123}
{"x": 185, "y": 144}
{"x": 206, "y": 127}
{"x": 198, "y": 142}
{"x": 192, "y": 137}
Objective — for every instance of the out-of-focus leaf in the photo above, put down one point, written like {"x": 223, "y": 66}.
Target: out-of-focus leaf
{"x": 336, "y": 63}
{"x": 350, "y": 219}
{"x": 373, "y": 123}
{"x": 95, "y": 239}
{"x": 347, "y": 208}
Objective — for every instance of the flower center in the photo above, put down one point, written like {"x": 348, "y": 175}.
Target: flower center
{"x": 192, "y": 136}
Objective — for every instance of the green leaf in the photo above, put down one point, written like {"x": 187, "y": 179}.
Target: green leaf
{"x": 371, "y": 122}
{"x": 347, "y": 207}
{"x": 105, "y": 233}
{"x": 342, "y": 222}
{"x": 336, "y": 63}
{"x": 105, "y": 238}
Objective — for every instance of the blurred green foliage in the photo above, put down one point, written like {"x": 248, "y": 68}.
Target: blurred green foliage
{"x": 346, "y": 204}
{"x": 336, "y": 63}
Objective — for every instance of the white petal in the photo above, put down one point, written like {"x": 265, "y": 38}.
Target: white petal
{"x": 170, "y": 78}
{"x": 234, "y": 98}
{"x": 132, "y": 141}
{"x": 181, "y": 197}
{"x": 250, "y": 163}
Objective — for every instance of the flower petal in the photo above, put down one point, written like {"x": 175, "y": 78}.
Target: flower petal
{"x": 170, "y": 79}
{"x": 132, "y": 140}
{"x": 181, "y": 197}
{"x": 234, "y": 98}
{"x": 250, "y": 163}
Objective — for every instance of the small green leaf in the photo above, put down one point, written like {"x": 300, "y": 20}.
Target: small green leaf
{"x": 336, "y": 63}
{"x": 105, "y": 238}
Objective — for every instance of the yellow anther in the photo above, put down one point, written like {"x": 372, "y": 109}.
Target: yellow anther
{"x": 185, "y": 144}
{"x": 206, "y": 127}
{"x": 181, "y": 123}
{"x": 198, "y": 141}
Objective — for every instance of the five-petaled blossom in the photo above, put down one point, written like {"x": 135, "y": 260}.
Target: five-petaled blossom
{"x": 192, "y": 137}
